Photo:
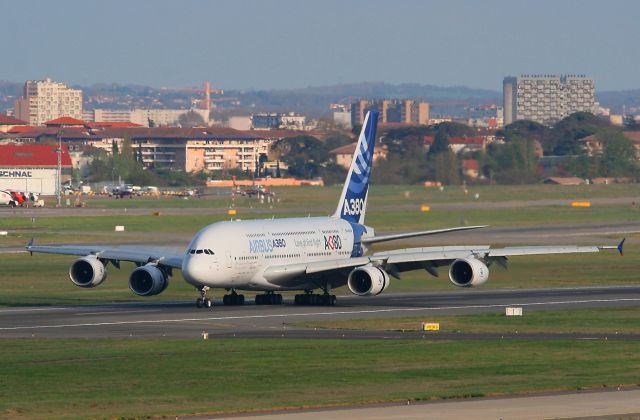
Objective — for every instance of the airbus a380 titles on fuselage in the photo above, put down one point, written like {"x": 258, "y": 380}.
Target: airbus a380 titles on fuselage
{"x": 303, "y": 254}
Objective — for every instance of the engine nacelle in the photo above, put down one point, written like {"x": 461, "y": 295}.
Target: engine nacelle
{"x": 148, "y": 280}
{"x": 368, "y": 281}
{"x": 468, "y": 272}
{"x": 87, "y": 271}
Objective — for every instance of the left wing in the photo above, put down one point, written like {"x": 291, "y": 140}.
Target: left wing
{"x": 170, "y": 257}
{"x": 397, "y": 261}
{"x": 430, "y": 258}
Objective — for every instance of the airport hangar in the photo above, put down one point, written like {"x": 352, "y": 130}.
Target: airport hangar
{"x": 33, "y": 168}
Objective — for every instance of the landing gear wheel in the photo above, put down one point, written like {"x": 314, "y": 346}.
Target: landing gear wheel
{"x": 269, "y": 299}
{"x": 233, "y": 299}
{"x": 203, "y": 301}
{"x": 315, "y": 300}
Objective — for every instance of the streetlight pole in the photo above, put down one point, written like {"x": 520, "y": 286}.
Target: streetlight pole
{"x": 59, "y": 173}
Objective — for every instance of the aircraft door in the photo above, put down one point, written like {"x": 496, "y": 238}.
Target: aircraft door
{"x": 228, "y": 258}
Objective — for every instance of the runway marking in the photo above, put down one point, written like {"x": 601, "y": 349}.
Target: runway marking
{"x": 224, "y": 318}
{"x": 116, "y": 312}
{"x": 2, "y": 311}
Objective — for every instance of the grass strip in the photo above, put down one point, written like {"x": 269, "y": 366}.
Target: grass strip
{"x": 138, "y": 378}
{"x": 622, "y": 320}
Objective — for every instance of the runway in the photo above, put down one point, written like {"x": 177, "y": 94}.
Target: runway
{"x": 184, "y": 320}
{"x": 613, "y": 404}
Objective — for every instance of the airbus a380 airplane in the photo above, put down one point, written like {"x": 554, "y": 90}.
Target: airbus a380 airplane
{"x": 302, "y": 254}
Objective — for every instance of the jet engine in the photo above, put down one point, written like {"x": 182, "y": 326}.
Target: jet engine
{"x": 468, "y": 272}
{"x": 87, "y": 271}
{"x": 148, "y": 280}
{"x": 368, "y": 281}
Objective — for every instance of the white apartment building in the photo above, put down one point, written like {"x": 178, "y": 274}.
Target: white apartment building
{"x": 45, "y": 100}
{"x": 546, "y": 99}
{"x": 160, "y": 117}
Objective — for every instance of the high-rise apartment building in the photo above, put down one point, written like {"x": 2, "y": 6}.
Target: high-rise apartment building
{"x": 159, "y": 117}
{"x": 404, "y": 111}
{"x": 45, "y": 100}
{"x": 546, "y": 99}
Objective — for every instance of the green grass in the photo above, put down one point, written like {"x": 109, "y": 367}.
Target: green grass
{"x": 381, "y": 220}
{"x": 138, "y": 378}
{"x": 380, "y": 195}
{"x": 622, "y": 320}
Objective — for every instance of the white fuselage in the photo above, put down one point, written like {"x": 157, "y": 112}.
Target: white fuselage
{"x": 235, "y": 254}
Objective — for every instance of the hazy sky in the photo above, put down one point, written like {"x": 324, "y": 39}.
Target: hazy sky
{"x": 297, "y": 43}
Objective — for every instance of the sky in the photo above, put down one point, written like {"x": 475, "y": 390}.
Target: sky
{"x": 285, "y": 44}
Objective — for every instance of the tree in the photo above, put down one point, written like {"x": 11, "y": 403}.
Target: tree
{"x": 191, "y": 119}
{"x": 304, "y": 155}
{"x": 446, "y": 168}
{"x": 440, "y": 145}
{"x": 514, "y": 162}
{"x": 618, "y": 154}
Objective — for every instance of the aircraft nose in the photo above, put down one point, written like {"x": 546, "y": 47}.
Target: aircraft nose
{"x": 192, "y": 271}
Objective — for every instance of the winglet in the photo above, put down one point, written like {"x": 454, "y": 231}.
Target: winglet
{"x": 621, "y": 245}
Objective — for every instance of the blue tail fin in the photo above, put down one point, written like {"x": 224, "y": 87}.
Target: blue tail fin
{"x": 353, "y": 201}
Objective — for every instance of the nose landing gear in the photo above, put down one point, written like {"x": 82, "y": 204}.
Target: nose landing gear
{"x": 203, "y": 301}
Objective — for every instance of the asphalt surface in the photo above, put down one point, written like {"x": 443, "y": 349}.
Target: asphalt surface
{"x": 184, "y": 320}
{"x": 613, "y": 404}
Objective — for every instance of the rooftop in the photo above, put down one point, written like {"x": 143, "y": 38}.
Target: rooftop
{"x": 64, "y": 121}
{"x": 32, "y": 155}
{"x": 7, "y": 120}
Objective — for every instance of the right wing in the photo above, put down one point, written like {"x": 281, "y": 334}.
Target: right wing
{"x": 170, "y": 257}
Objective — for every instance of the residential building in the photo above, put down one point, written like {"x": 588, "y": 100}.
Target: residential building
{"x": 403, "y": 111}
{"x": 342, "y": 119}
{"x": 546, "y": 99}
{"x": 240, "y": 122}
{"x": 344, "y": 155}
{"x": 463, "y": 144}
{"x": 45, "y": 100}
{"x": 7, "y": 123}
{"x": 485, "y": 116}
{"x": 144, "y": 117}
{"x": 593, "y": 145}
{"x": 276, "y": 120}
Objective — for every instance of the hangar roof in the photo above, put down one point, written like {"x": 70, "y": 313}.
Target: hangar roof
{"x": 33, "y": 155}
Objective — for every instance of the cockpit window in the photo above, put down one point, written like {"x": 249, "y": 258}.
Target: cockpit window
{"x": 192, "y": 251}
{"x": 206, "y": 251}
{"x": 198, "y": 251}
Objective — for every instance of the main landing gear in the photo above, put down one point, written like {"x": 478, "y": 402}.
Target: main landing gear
{"x": 311, "y": 299}
{"x": 269, "y": 298}
{"x": 203, "y": 301}
{"x": 233, "y": 299}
